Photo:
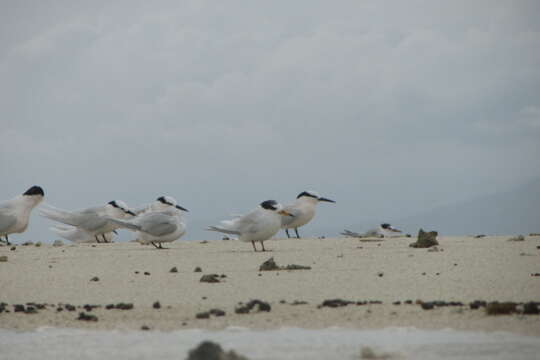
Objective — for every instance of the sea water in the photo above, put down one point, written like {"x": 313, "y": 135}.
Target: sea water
{"x": 285, "y": 343}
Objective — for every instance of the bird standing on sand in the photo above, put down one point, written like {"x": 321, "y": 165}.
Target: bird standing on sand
{"x": 303, "y": 210}
{"x": 94, "y": 221}
{"x": 156, "y": 227}
{"x": 259, "y": 225}
{"x": 15, "y": 213}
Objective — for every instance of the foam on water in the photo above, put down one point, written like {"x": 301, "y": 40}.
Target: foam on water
{"x": 285, "y": 343}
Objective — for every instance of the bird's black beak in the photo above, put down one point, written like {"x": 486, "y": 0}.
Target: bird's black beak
{"x": 181, "y": 208}
{"x": 325, "y": 199}
{"x": 114, "y": 231}
{"x": 130, "y": 213}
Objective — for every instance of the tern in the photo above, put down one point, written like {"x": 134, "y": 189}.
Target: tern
{"x": 302, "y": 211}
{"x": 156, "y": 227}
{"x": 93, "y": 221}
{"x": 386, "y": 230}
{"x": 259, "y": 225}
{"x": 15, "y": 213}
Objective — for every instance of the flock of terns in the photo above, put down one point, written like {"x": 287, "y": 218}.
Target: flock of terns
{"x": 160, "y": 221}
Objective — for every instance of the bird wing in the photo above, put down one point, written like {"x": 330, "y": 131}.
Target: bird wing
{"x": 157, "y": 224}
{"x": 291, "y": 209}
{"x": 248, "y": 223}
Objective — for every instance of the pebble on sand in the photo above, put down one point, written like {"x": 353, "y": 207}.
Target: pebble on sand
{"x": 425, "y": 239}
{"x": 208, "y": 350}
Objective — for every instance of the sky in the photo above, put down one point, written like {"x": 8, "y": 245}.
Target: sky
{"x": 390, "y": 108}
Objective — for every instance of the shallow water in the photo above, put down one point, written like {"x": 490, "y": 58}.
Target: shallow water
{"x": 286, "y": 343}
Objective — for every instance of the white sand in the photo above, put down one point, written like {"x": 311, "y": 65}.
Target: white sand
{"x": 467, "y": 269}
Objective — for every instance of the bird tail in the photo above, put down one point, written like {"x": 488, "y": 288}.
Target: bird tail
{"x": 50, "y": 212}
{"x": 222, "y": 230}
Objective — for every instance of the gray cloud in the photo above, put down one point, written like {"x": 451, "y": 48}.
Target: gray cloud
{"x": 390, "y": 108}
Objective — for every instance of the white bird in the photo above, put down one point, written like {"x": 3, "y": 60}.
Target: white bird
{"x": 77, "y": 235}
{"x": 15, "y": 213}
{"x": 259, "y": 225}
{"x": 94, "y": 220}
{"x": 386, "y": 230}
{"x": 161, "y": 203}
{"x": 156, "y": 227}
{"x": 303, "y": 210}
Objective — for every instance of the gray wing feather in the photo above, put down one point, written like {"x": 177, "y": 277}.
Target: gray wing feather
{"x": 157, "y": 224}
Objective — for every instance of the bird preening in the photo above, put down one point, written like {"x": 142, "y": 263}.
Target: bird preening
{"x": 158, "y": 222}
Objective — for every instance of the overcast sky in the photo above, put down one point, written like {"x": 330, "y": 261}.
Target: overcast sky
{"x": 389, "y": 107}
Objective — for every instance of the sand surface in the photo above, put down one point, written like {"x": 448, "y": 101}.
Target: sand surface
{"x": 464, "y": 269}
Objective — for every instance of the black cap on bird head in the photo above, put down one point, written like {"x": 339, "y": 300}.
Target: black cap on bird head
{"x": 34, "y": 190}
{"x": 269, "y": 205}
{"x": 385, "y": 226}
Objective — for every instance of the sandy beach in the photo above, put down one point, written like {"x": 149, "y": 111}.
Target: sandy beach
{"x": 464, "y": 269}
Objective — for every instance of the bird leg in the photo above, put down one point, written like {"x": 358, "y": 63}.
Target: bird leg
{"x": 104, "y": 238}
{"x": 97, "y": 239}
{"x": 7, "y": 240}
{"x": 296, "y": 231}
{"x": 262, "y": 244}
{"x": 254, "y": 248}
{"x": 287, "y": 232}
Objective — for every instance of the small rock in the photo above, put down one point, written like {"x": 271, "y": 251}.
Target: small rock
{"x": 18, "y": 308}
{"x": 517, "y": 238}
{"x": 497, "y": 308}
{"x": 57, "y": 243}
{"x": 425, "y": 239}
{"x": 531, "y": 308}
{"x": 208, "y": 350}
{"x": 333, "y": 303}
{"x": 217, "y": 312}
{"x": 427, "y": 305}
{"x": 204, "y": 242}
{"x": 299, "y": 302}
{"x": 156, "y": 305}
{"x": 3, "y": 258}
{"x": 145, "y": 328}
{"x": 296, "y": 267}
{"x": 197, "y": 269}
{"x": 225, "y": 238}
{"x": 27, "y": 243}
{"x": 173, "y": 270}
{"x": 245, "y": 309}
{"x": 380, "y": 274}
{"x": 13, "y": 248}
{"x": 476, "y": 304}
{"x": 95, "y": 278}
{"x": 87, "y": 317}
{"x": 479, "y": 236}
{"x": 210, "y": 278}
{"x": 269, "y": 265}
{"x": 396, "y": 303}
{"x": 124, "y": 306}
{"x": 70, "y": 307}
{"x": 146, "y": 273}
{"x": 38, "y": 244}
{"x": 202, "y": 315}
{"x": 369, "y": 354}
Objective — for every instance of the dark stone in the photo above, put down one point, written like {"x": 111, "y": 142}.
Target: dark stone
{"x": 531, "y": 308}
{"x": 87, "y": 317}
{"x": 13, "y": 248}
{"x": 479, "y": 236}
{"x": 380, "y": 274}
{"x": 476, "y": 304}
{"x": 144, "y": 327}
{"x": 333, "y": 303}
{"x": 30, "y": 310}
{"x": 70, "y": 307}
{"x": 396, "y": 303}
{"x": 210, "y": 278}
{"x": 217, "y": 312}
{"x": 269, "y": 265}
{"x": 428, "y": 305}
{"x": 173, "y": 270}
{"x": 425, "y": 239}
{"x": 95, "y": 278}
{"x": 109, "y": 306}
{"x": 497, "y": 308}
{"x": 408, "y": 302}
{"x": 223, "y": 276}
{"x": 297, "y": 267}
{"x": 197, "y": 269}
{"x": 299, "y": 302}
{"x": 89, "y": 308}
{"x": 124, "y": 306}
{"x": 146, "y": 273}
{"x": 251, "y": 305}
{"x": 208, "y": 350}
{"x": 203, "y": 315}
{"x": 19, "y": 308}
{"x": 156, "y": 305}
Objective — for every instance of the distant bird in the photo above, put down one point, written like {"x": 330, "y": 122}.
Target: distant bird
{"x": 156, "y": 227}
{"x": 259, "y": 225}
{"x": 77, "y": 235}
{"x": 303, "y": 210}
{"x": 386, "y": 230}
{"x": 94, "y": 221}
{"x": 15, "y": 213}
